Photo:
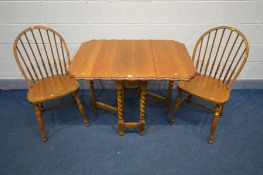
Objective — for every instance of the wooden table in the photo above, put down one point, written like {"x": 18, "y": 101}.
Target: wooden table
{"x": 135, "y": 61}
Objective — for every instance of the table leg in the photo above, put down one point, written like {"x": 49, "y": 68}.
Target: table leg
{"x": 168, "y": 96}
{"x": 142, "y": 107}
{"x": 120, "y": 98}
{"x": 93, "y": 97}
{"x": 222, "y": 111}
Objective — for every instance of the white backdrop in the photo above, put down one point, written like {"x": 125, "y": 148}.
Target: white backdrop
{"x": 181, "y": 20}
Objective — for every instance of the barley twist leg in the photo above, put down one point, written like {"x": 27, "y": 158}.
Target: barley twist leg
{"x": 120, "y": 98}
{"x": 142, "y": 108}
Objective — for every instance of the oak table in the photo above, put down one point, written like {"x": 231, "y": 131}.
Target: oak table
{"x": 132, "y": 61}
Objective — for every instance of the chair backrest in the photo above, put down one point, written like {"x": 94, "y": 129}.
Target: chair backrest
{"x": 41, "y": 52}
{"x": 221, "y": 53}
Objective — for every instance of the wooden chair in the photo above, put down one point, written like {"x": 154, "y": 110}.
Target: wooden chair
{"x": 219, "y": 56}
{"x": 43, "y": 58}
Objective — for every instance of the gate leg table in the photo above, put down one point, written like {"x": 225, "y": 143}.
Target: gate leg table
{"x": 133, "y": 61}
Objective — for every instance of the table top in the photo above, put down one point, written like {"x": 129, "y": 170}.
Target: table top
{"x": 132, "y": 60}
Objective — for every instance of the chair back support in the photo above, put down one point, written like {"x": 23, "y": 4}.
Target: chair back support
{"x": 41, "y": 52}
{"x": 221, "y": 53}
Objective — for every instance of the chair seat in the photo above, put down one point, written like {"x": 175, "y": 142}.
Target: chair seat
{"x": 51, "y": 88}
{"x": 207, "y": 88}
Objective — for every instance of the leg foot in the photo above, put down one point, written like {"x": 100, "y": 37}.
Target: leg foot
{"x": 141, "y": 129}
{"x": 211, "y": 140}
{"x": 121, "y": 129}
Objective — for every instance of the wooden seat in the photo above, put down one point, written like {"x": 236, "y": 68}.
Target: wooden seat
{"x": 43, "y": 59}
{"x": 207, "y": 88}
{"x": 219, "y": 56}
{"x": 52, "y": 88}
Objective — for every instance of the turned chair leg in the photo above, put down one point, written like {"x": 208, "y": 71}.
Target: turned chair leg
{"x": 178, "y": 102}
{"x": 38, "y": 111}
{"x": 218, "y": 109}
{"x": 81, "y": 109}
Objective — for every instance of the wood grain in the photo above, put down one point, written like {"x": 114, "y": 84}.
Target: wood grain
{"x": 207, "y": 88}
{"x": 51, "y": 88}
{"x": 172, "y": 60}
{"x": 132, "y": 60}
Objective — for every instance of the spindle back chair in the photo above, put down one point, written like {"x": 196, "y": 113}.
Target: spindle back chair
{"x": 43, "y": 58}
{"x": 41, "y": 52}
{"x": 234, "y": 49}
{"x": 219, "y": 56}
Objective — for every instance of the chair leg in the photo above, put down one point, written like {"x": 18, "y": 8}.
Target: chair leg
{"x": 178, "y": 102}
{"x": 168, "y": 97}
{"x": 81, "y": 109}
{"x": 38, "y": 111}
{"x": 218, "y": 109}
